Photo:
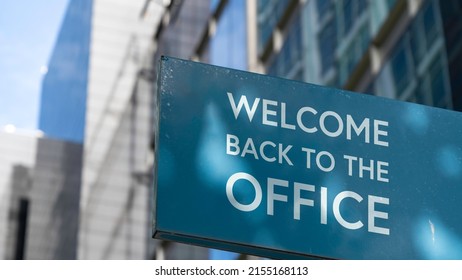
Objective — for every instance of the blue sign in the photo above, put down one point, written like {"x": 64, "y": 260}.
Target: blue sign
{"x": 284, "y": 169}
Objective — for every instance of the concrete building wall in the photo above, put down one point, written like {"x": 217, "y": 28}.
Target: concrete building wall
{"x": 54, "y": 201}
{"x": 40, "y": 191}
{"x": 114, "y": 208}
{"x": 15, "y": 151}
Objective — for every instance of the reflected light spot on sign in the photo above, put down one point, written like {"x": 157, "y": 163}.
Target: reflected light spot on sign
{"x": 417, "y": 119}
{"x": 434, "y": 240}
{"x": 449, "y": 161}
{"x": 213, "y": 163}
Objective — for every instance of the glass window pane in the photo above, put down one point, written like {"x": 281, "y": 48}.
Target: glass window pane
{"x": 327, "y": 43}
{"x": 323, "y": 7}
{"x": 291, "y": 51}
{"x": 420, "y": 93}
{"x": 229, "y": 46}
{"x": 437, "y": 83}
{"x": 347, "y": 16}
{"x": 362, "y": 6}
{"x": 400, "y": 69}
{"x": 214, "y": 4}
{"x": 429, "y": 23}
{"x": 416, "y": 42}
{"x": 390, "y": 3}
{"x": 268, "y": 14}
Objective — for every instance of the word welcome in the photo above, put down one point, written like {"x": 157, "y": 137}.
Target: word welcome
{"x": 274, "y": 113}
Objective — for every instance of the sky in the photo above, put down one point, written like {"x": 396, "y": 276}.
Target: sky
{"x": 28, "y": 30}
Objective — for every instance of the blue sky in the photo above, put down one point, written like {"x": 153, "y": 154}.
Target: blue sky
{"x": 28, "y": 30}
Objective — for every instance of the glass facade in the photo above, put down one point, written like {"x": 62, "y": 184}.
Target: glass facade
{"x": 288, "y": 62}
{"x": 181, "y": 36}
{"x": 268, "y": 15}
{"x": 340, "y": 32}
{"x": 228, "y": 47}
{"x": 334, "y": 37}
{"x": 353, "y": 35}
{"x": 64, "y": 87}
{"x": 418, "y": 66}
{"x": 451, "y": 11}
{"x": 327, "y": 36}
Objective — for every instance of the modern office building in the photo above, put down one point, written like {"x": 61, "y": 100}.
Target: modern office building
{"x": 39, "y": 194}
{"x": 403, "y": 49}
{"x": 64, "y": 87}
{"x": 114, "y": 206}
{"x": 450, "y": 12}
{"x": 97, "y": 93}
{"x": 396, "y": 49}
{"x": 17, "y": 157}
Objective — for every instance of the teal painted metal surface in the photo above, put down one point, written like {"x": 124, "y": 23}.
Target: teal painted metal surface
{"x": 284, "y": 169}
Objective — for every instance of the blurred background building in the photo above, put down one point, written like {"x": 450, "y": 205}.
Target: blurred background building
{"x": 40, "y": 191}
{"x": 86, "y": 182}
{"x": 80, "y": 188}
